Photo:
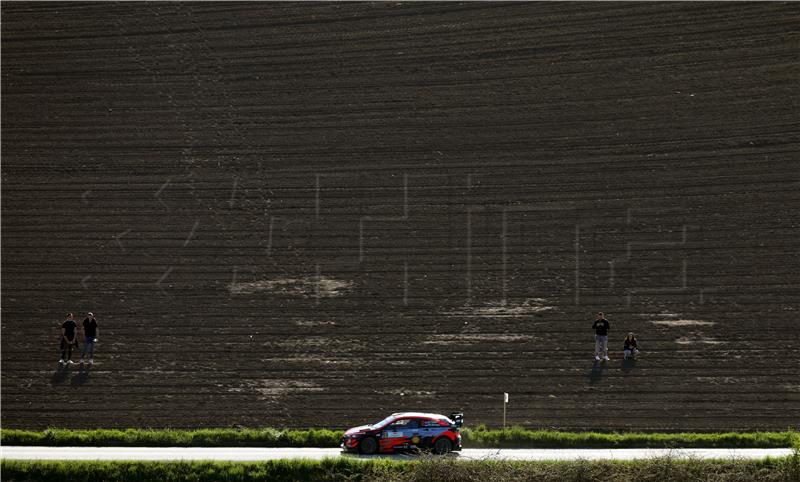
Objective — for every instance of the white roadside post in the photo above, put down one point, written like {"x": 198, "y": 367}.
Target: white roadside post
{"x": 505, "y": 401}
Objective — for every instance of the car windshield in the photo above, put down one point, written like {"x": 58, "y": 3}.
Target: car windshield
{"x": 385, "y": 421}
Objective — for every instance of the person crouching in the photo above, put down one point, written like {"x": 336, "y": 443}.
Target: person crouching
{"x": 631, "y": 348}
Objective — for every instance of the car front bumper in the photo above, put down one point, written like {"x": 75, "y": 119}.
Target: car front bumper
{"x": 349, "y": 444}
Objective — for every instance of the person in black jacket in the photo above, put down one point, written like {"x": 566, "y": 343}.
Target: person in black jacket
{"x": 90, "y": 331}
{"x": 600, "y": 327}
{"x": 69, "y": 339}
{"x": 631, "y": 348}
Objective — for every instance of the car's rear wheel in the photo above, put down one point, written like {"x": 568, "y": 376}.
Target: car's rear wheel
{"x": 368, "y": 446}
{"x": 443, "y": 446}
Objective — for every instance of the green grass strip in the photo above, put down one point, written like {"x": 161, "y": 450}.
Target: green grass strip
{"x": 515, "y": 437}
{"x": 656, "y": 470}
{"x": 266, "y": 437}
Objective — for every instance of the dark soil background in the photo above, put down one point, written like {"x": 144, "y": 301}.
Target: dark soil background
{"x": 319, "y": 214}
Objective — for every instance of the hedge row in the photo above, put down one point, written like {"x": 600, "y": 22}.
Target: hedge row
{"x": 517, "y": 437}
{"x": 266, "y": 437}
{"x": 472, "y": 438}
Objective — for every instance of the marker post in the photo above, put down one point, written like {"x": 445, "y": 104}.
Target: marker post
{"x": 505, "y": 402}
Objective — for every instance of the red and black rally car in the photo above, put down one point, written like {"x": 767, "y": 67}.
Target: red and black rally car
{"x": 407, "y": 431}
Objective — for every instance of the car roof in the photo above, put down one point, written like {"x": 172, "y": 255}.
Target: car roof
{"x": 434, "y": 416}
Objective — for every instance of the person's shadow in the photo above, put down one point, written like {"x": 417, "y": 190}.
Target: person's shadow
{"x": 60, "y": 375}
{"x": 596, "y": 374}
{"x": 628, "y": 364}
{"x": 82, "y": 376}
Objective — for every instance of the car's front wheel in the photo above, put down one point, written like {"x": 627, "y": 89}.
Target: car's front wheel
{"x": 443, "y": 446}
{"x": 368, "y": 446}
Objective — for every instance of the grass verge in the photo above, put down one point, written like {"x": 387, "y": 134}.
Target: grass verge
{"x": 444, "y": 470}
{"x": 266, "y": 437}
{"x": 515, "y": 437}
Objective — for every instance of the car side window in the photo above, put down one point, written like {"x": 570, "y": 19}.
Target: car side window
{"x": 403, "y": 423}
{"x": 430, "y": 424}
{"x": 398, "y": 424}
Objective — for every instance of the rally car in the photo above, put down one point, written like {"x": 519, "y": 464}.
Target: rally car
{"x": 406, "y": 431}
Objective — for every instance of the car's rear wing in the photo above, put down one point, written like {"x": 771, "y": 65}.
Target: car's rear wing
{"x": 457, "y": 418}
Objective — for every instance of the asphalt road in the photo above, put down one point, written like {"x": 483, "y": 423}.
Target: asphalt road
{"x": 253, "y": 454}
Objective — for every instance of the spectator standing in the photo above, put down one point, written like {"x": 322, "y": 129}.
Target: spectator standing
{"x": 631, "y": 348}
{"x": 69, "y": 339}
{"x": 600, "y": 327}
{"x": 90, "y": 332}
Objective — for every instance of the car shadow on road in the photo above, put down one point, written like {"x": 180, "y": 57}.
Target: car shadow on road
{"x": 596, "y": 373}
{"x": 399, "y": 456}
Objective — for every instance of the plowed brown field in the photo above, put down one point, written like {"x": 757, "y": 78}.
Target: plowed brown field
{"x": 317, "y": 214}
